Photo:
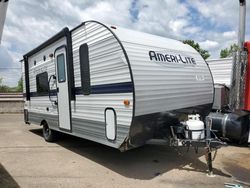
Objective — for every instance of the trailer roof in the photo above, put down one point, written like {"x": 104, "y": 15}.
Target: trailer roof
{"x": 131, "y": 36}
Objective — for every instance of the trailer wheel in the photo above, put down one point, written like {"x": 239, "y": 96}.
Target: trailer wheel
{"x": 48, "y": 134}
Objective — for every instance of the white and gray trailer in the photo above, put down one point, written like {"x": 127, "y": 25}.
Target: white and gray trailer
{"x": 114, "y": 86}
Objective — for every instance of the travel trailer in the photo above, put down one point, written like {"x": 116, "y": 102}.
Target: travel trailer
{"x": 123, "y": 88}
{"x": 116, "y": 86}
{"x": 221, "y": 70}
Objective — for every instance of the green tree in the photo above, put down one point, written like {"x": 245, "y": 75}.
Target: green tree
{"x": 7, "y": 89}
{"x": 19, "y": 87}
{"x": 228, "y": 52}
{"x": 3, "y": 88}
{"x": 204, "y": 53}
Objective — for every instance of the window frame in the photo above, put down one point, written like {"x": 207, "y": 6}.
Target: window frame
{"x": 64, "y": 80}
{"x": 38, "y": 91}
{"x": 85, "y": 69}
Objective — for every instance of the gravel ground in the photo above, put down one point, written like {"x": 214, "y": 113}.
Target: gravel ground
{"x": 26, "y": 160}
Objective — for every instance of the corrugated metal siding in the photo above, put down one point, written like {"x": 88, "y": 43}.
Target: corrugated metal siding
{"x": 24, "y": 85}
{"x": 41, "y": 66}
{"x": 221, "y": 70}
{"x": 107, "y": 61}
{"x": 164, "y": 87}
{"x": 94, "y": 130}
{"x": 107, "y": 66}
{"x": 23, "y": 77}
{"x": 39, "y": 104}
{"x": 37, "y": 118}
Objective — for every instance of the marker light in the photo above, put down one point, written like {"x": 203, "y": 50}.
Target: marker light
{"x": 126, "y": 102}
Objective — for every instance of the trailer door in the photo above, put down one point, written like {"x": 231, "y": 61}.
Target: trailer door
{"x": 62, "y": 89}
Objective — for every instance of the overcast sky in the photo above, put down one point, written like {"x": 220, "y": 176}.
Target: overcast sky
{"x": 212, "y": 23}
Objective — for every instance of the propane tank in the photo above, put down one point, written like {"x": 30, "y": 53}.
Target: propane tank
{"x": 194, "y": 128}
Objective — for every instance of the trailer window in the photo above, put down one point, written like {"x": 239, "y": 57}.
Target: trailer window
{"x": 42, "y": 85}
{"x": 61, "y": 68}
{"x": 84, "y": 68}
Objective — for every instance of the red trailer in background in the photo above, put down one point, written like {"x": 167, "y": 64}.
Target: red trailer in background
{"x": 247, "y": 81}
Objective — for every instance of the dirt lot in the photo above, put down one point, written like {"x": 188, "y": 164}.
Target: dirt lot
{"x": 26, "y": 160}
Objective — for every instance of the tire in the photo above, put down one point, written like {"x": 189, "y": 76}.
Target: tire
{"x": 48, "y": 134}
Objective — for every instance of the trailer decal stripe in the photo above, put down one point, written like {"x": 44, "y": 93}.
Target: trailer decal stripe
{"x": 125, "y": 87}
